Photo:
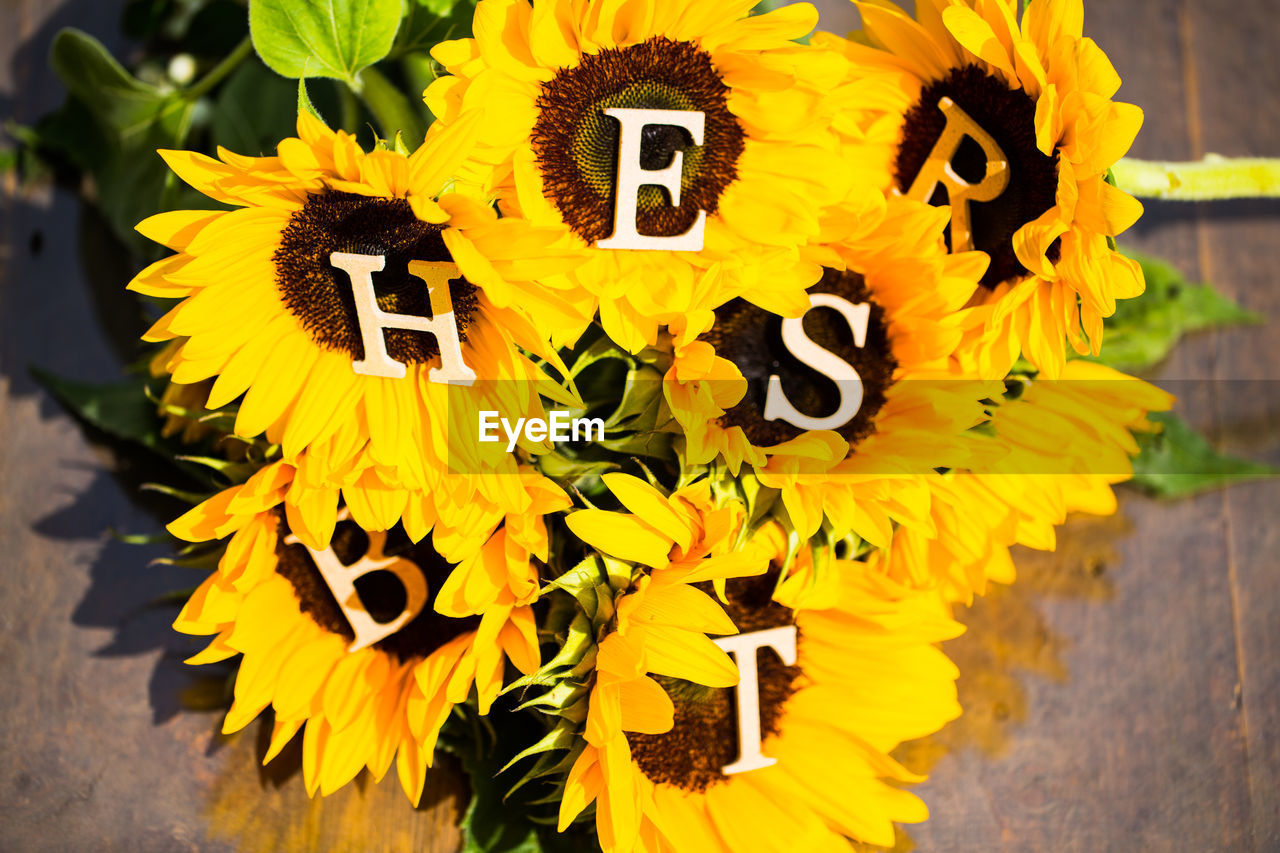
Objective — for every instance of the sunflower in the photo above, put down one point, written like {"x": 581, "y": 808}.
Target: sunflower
{"x": 749, "y": 137}
{"x": 270, "y": 312}
{"x": 859, "y": 675}
{"x": 1058, "y": 447}
{"x": 1015, "y": 120}
{"x": 854, "y": 446}
{"x": 643, "y": 605}
{"x": 364, "y": 703}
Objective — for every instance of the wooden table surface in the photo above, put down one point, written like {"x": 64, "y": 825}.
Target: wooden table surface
{"x": 1123, "y": 695}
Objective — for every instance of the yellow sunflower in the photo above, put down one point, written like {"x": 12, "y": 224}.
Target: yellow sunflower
{"x": 296, "y": 302}
{"x": 853, "y": 444}
{"x": 713, "y": 199}
{"x": 1059, "y": 447}
{"x": 1013, "y": 125}
{"x": 311, "y": 654}
{"x": 858, "y": 676}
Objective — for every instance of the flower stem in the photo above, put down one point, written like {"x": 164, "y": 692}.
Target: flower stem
{"x": 390, "y": 108}
{"x": 349, "y": 106}
{"x": 1214, "y": 177}
{"x": 215, "y": 76}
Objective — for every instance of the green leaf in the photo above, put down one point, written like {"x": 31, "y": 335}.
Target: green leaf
{"x": 119, "y": 409}
{"x": 137, "y": 183}
{"x": 92, "y": 74}
{"x": 73, "y": 132}
{"x": 135, "y": 119}
{"x": 123, "y": 411}
{"x": 323, "y": 38}
{"x": 1177, "y": 462}
{"x": 1143, "y": 330}
{"x": 254, "y": 111}
{"x": 429, "y": 22}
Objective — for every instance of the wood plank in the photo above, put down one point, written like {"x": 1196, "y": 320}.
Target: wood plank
{"x": 1102, "y": 711}
{"x": 1237, "y": 74}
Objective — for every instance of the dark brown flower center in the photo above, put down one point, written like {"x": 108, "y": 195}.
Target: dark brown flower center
{"x": 320, "y": 295}
{"x": 381, "y": 592}
{"x": 751, "y": 338}
{"x": 704, "y": 738}
{"x": 577, "y": 144}
{"x": 1009, "y": 116}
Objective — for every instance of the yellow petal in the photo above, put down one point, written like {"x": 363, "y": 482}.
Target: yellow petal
{"x": 646, "y": 502}
{"x": 689, "y": 655}
{"x": 646, "y": 707}
{"x": 621, "y": 535}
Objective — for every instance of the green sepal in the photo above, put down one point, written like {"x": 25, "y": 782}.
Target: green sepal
{"x": 642, "y": 404}
{"x": 173, "y": 597}
{"x": 655, "y": 445}
{"x": 233, "y": 472}
{"x": 305, "y": 105}
{"x": 562, "y": 736}
{"x": 578, "y": 644}
{"x": 593, "y": 583}
{"x": 160, "y": 538}
{"x": 552, "y": 766}
{"x": 187, "y": 497}
{"x": 562, "y": 694}
{"x": 206, "y": 561}
{"x": 566, "y": 470}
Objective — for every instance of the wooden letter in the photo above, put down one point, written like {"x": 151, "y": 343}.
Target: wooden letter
{"x": 376, "y": 362}
{"x": 848, "y": 382}
{"x": 743, "y": 647}
{"x": 938, "y": 169}
{"x": 632, "y": 176}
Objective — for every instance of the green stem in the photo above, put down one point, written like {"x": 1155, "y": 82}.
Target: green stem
{"x": 390, "y": 108}
{"x": 350, "y": 108}
{"x": 215, "y": 76}
{"x": 1214, "y": 177}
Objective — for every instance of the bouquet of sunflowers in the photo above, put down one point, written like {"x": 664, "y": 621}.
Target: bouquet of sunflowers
{"x": 621, "y": 394}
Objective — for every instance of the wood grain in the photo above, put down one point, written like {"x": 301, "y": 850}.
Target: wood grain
{"x": 1237, "y": 75}
{"x": 1124, "y": 694}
